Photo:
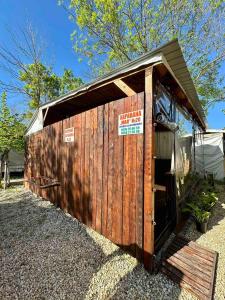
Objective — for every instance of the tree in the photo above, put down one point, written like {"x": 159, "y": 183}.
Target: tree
{"x": 11, "y": 135}
{"x": 68, "y": 82}
{"x": 114, "y": 32}
{"x": 21, "y": 59}
{"x": 40, "y": 83}
{"x": 43, "y": 85}
{"x": 30, "y": 77}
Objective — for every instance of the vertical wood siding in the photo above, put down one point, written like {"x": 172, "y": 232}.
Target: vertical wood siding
{"x": 101, "y": 173}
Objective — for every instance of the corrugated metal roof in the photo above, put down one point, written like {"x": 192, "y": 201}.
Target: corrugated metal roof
{"x": 171, "y": 55}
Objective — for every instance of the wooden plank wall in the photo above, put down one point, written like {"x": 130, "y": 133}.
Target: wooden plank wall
{"x": 101, "y": 173}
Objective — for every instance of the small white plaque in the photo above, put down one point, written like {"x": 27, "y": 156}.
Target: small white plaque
{"x": 68, "y": 135}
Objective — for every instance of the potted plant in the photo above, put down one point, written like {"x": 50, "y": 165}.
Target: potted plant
{"x": 202, "y": 218}
{"x": 200, "y": 215}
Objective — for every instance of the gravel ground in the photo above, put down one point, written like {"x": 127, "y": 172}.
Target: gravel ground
{"x": 46, "y": 254}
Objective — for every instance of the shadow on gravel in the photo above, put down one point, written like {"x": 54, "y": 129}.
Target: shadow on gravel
{"x": 47, "y": 254}
{"x": 44, "y": 253}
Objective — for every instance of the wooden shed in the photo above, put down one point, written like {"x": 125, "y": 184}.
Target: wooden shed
{"x": 93, "y": 151}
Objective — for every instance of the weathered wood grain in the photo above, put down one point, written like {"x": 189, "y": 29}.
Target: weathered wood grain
{"x": 101, "y": 174}
{"x": 188, "y": 264}
{"x": 148, "y": 172}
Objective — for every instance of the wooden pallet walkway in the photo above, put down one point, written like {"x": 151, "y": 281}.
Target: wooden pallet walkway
{"x": 192, "y": 266}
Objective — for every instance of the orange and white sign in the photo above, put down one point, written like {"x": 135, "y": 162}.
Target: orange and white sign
{"x": 131, "y": 122}
{"x": 68, "y": 135}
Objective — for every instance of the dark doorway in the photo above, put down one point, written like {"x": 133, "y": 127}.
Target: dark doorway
{"x": 165, "y": 196}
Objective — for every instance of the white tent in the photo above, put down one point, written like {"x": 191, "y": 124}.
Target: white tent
{"x": 209, "y": 153}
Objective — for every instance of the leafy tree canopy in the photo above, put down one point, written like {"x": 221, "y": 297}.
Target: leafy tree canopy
{"x": 68, "y": 82}
{"x": 42, "y": 85}
{"x": 113, "y": 32}
{"x": 39, "y": 83}
{"x": 11, "y": 128}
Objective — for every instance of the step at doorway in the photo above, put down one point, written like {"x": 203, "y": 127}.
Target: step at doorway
{"x": 192, "y": 266}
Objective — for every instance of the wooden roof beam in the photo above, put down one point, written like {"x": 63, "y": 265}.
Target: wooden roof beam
{"x": 124, "y": 87}
{"x": 45, "y": 114}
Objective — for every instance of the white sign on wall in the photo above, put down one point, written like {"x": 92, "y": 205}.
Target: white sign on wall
{"x": 131, "y": 122}
{"x": 68, "y": 135}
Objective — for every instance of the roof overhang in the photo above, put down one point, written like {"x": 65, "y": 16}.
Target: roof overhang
{"x": 170, "y": 55}
{"x": 106, "y": 79}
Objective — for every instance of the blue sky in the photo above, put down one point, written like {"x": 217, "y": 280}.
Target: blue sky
{"x": 53, "y": 25}
{"x": 51, "y": 22}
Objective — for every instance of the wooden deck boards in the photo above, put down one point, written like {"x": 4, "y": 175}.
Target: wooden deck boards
{"x": 192, "y": 266}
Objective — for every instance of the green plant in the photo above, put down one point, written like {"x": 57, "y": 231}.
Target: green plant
{"x": 207, "y": 200}
{"x": 198, "y": 213}
{"x": 202, "y": 216}
{"x": 201, "y": 204}
{"x": 109, "y": 33}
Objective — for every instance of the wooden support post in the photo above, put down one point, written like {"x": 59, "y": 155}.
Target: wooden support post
{"x": 149, "y": 168}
